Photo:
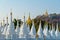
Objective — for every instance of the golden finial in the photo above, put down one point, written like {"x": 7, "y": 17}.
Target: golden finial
{"x": 3, "y": 20}
{"x": 29, "y": 14}
{"x": 24, "y": 16}
{"x": 11, "y": 13}
{"x": 6, "y": 17}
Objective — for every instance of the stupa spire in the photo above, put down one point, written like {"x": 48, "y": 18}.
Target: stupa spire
{"x": 1, "y": 27}
{"x": 23, "y": 30}
{"x": 24, "y": 17}
{"x": 7, "y": 20}
{"x": 11, "y": 16}
{"x": 10, "y": 30}
{"x": 3, "y": 23}
{"x": 29, "y": 14}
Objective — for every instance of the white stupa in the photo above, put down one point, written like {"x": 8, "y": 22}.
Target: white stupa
{"x": 2, "y": 37}
{"x": 23, "y": 30}
{"x": 1, "y": 27}
{"x": 10, "y": 30}
{"x": 40, "y": 31}
{"x": 33, "y": 31}
{"x": 28, "y": 28}
{"x": 53, "y": 32}
{"x": 46, "y": 32}
{"x": 17, "y": 28}
{"x": 57, "y": 33}
{"x": 49, "y": 28}
{"x": 0, "y": 30}
{"x": 5, "y": 29}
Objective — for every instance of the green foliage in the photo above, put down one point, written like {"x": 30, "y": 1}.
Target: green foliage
{"x": 36, "y": 23}
{"x": 15, "y": 23}
{"x": 20, "y": 22}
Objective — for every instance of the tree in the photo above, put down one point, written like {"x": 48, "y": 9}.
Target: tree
{"x": 15, "y": 23}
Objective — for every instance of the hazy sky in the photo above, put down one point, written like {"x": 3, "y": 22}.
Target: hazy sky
{"x": 35, "y": 7}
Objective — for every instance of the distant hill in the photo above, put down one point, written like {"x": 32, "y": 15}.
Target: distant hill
{"x": 51, "y": 18}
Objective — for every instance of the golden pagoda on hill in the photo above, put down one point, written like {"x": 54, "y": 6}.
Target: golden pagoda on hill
{"x": 46, "y": 13}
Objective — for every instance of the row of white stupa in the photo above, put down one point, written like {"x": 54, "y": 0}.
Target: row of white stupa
{"x": 8, "y": 31}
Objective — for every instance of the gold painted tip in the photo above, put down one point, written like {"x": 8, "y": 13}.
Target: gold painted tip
{"x": 17, "y": 19}
{"x": 23, "y": 17}
{"x": 11, "y": 13}
{"x": 3, "y": 20}
{"x": 6, "y": 17}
